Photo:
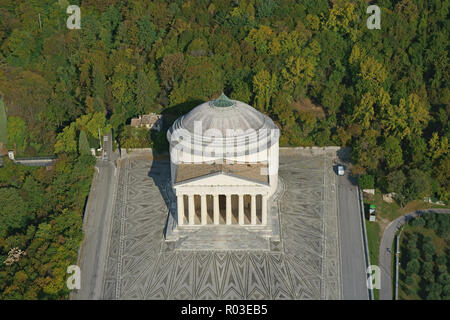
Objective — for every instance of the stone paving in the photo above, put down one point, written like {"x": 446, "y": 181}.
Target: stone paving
{"x": 303, "y": 265}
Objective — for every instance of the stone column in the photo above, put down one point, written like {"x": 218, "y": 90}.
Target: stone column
{"x": 253, "y": 210}
{"x": 241, "y": 209}
{"x": 191, "y": 209}
{"x": 203, "y": 209}
{"x": 264, "y": 210}
{"x": 228, "y": 205}
{"x": 216, "y": 209}
{"x": 180, "y": 209}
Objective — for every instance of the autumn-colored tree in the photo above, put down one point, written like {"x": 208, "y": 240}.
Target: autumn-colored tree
{"x": 264, "y": 85}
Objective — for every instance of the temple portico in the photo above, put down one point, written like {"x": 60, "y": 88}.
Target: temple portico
{"x": 203, "y": 208}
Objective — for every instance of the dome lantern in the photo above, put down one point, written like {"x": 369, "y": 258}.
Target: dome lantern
{"x": 223, "y": 101}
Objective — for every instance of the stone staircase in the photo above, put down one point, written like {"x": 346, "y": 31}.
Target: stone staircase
{"x": 222, "y": 238}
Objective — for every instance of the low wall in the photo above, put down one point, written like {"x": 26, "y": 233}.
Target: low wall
{"x": 342, "y": 153}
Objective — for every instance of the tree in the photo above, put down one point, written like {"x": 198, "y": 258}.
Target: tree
{"x": 409, "y": 280}
{"x": 146, "y": 90}
{"x": 364, "y": 112}
{"x": 413, "y": 253}
{"x": 260, "y": 38}
{"x": 17, "y": 133}
{"x": 3, "y": 124}
{"x": 396, "y": 181}
{"x": 418, "y": 222}
{"x": 171, "y": 69}
{"x": 13, "y": 211}
{"x": 241, "y": 91}
{"x": 366, "y": 181}
{"x": 367, "y": 152}
{"x": 418, "y": 184}
{"x": 413, "y": 267}
{"x": 265, "y": 8}
{"x": 438, "y": 147}
{"x": 298, "y": 73}
{"x": 66, "y": 140}
{"x": 264, "y": 85}
{"x": 147, "y": 32}
{"x": 83, "y": 144}
{"x": 393, "y": 153}
{"x": 427, "y": 270}
{"x": 418, "y": 115}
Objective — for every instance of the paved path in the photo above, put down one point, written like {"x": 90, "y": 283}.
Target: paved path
{"x": 96, "y": 225}
{"x": 386, "y": 249}
{"x": 353, "y": 266}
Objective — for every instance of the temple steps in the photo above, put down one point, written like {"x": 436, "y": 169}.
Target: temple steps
{"x": 223, "y": 238}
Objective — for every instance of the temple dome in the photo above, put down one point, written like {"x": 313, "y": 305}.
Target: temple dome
{"x": 223, "y": 114}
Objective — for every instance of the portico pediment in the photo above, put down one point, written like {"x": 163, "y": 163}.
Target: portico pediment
{"x": 220, "y": 179}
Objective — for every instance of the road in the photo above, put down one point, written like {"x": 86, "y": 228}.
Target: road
{"x": 353, "y": 268}
{"x": 96, "y": 225}
{"x": 386, "y": 249}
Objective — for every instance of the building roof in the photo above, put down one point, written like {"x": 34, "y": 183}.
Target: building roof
{"x": 146, "y": 119}
{"x": 248, "y": 171}
{"x": 223, "y": 114}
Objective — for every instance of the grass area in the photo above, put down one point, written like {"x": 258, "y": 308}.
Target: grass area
{"x": 373, "y": 239}
{"x": 385, "y": 213}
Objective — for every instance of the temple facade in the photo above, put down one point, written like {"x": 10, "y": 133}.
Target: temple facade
{"x": 224, "y": 164}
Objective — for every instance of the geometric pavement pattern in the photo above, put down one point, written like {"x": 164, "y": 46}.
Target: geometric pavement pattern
{"x": 141, "y": 266}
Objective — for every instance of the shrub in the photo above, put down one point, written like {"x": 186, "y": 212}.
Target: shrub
{"x": 434, "y": 290}
{"x": 430, "y": 219}
{"x": 441, "y": 260}
{"x": 444, "y": 280}
{"x": 366, "y": 181}
{"x": 409, "y": 280}
{"x": 428, "y": 248}
{"x": 413, "y": 253}
{"x": 418, "y": 222}
{"x": 427, "y": 257}
{"x": 413, "y": 267}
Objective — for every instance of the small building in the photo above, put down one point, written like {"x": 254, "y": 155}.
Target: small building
{"x": 150, "y": 121}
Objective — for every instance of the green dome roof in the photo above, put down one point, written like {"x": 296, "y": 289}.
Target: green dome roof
{"x": 223, "y": 101}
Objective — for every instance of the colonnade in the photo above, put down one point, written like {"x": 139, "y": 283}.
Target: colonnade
{"x": 203, "y": 209}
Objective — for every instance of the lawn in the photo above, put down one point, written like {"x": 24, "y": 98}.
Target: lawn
{"x": 373, "y": 239}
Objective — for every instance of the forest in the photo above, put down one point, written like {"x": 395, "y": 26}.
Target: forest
{"x": 312, "y": 66}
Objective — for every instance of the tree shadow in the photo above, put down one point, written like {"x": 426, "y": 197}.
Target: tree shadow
{"x": 366, "y": 211}
{"x": 173, "y": 113}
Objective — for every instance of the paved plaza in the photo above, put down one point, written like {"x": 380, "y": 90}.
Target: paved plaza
{"x": 304, "y": 264}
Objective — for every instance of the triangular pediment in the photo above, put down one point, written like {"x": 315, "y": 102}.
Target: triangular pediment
{"x": 220, "y": 178}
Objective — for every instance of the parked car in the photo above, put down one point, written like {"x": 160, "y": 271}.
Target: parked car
{"x": 341, "y": 170}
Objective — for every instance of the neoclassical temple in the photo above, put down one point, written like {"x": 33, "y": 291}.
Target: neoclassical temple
{"x": 224, "y": 164}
